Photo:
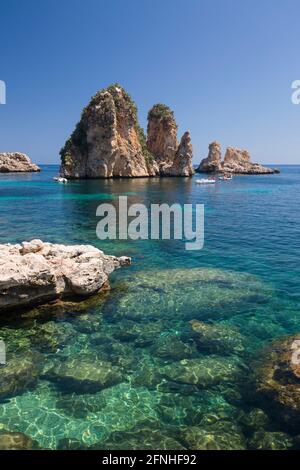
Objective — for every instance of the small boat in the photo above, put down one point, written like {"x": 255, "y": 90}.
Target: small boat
{"x": 60, "y": 179}
{"x": 206, "y": 181}
{"x": 225, "y": 178}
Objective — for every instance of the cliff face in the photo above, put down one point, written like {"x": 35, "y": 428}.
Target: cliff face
{"x": 182, "y": 163}
{"x": 213, "y": 161}
{"x": 173, "y": 159}
{"x": 236, "y": 161}
{"x": 108, "y": 142}
{"x": 16, "y": 162}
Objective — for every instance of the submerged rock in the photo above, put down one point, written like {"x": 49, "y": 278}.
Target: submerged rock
{"x": 19, "y": 374}
{"x": 141, "y": 438}
{"x": 277, "y": 378}
{"x": 257, "y": 419}
{"x": 16, "y": 441}
{"x": 16, "y": 162}
{"x": 36, "y": 272}
{"x": 222, "y": 435}
{"x": 84, "y": 376}
{"x": 51, "y": 336}
{"x": 171, "y": 347}
{"x": 262, "y": 440}
{"x": 218, "y": 339}
{"x": 184, "y": 294}
{"x": 203, "y": 372}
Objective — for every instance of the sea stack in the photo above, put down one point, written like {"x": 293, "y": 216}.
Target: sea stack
{"x": 16, "y": 162}
{"x": 173, "y": 159}
{"x": 108, "y": 142}
{"x": 212, "y": 163}
{"x": 236, "y": 161}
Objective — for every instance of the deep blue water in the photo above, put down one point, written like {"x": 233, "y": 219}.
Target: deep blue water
{"x": 245, "y": 278}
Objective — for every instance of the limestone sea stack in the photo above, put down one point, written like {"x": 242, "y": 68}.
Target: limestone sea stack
{"x": 213, "y": 162}
{"x": 236, "y": 161}
{"x": 16, "y": 162}
{"x": 173, "y": 158}
{"x": 108, "y": 142}
{"x": 36, "y": 272}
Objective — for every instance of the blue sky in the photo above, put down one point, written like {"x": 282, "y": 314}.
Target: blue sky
{"x": 224, "y": 66}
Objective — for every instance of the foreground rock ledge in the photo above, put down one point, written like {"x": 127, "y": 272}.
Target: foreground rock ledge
{"x": 16, "y": 162}
{"x": 36, "y": 272}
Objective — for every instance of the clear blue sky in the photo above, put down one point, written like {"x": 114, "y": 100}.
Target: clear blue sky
{"x": 224, "y": 66}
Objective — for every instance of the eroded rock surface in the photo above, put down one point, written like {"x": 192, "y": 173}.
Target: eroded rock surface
{"x": 108, "y": 141}
{"x": 212, "y": 163}
{"x": 236, "y": 161}
{"x": 36, "y": 272}
{"x": 277, "y": 378}
{"x": 16, "y": 441}
{"x": 84, "y": 375}
{"x": 17, "y": 162}
{"x": 173, "y": 158}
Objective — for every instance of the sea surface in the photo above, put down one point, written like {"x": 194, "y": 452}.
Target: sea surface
{"x": 163, "y": 388}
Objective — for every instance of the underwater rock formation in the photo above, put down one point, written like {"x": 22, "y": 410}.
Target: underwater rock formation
{"x": 36, "y": 272}
{"x": 277, "y": 380}
{"x": 203, "y": 372}
{"x": 108, "y": 141}
{"x": 84, "y": 375}
{"x": 222, "y": 435}
{"x": 16, "y": 441}
{"x": 236, "y": 161}
{"x": 185, "y": 294}
{"x": 217, "y": 339}
{"x": 18, "y": 374}
{"x": 173, "y": 159}
{"x": 264, "y": 440}
{"x": 16, "y": 162}
{"x": 142, "y": 437}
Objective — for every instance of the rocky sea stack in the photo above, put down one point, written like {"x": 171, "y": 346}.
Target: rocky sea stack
{"x": 15, "y": 162}
{"x": 236, "y": 161}
{"x": 36, "y": 272}
{"x": 108, "y": 141}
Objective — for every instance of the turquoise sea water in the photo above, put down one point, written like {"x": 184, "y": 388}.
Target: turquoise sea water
{"x": 164, "y": 390}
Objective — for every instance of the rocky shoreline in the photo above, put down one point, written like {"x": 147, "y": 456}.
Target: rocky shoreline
{"x": 236, "y": 161}
{"x": 36, "y": 272}
{"x": 16, "y": 162}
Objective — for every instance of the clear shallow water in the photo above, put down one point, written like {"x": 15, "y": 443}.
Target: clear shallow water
{"x": 245, "y": 281}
